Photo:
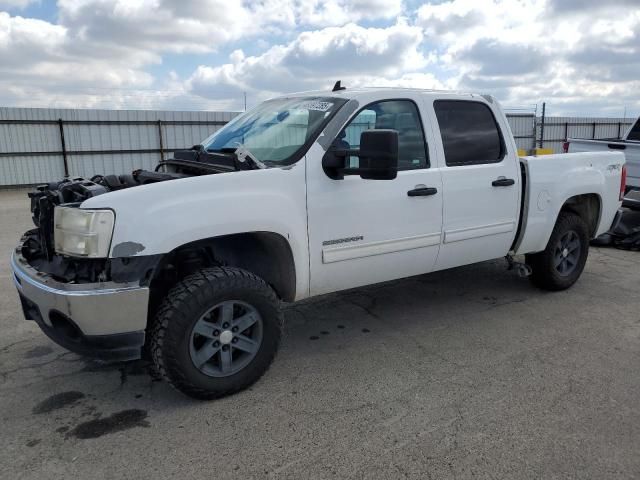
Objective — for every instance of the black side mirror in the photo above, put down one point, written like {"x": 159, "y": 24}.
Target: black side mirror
{"x": 378, "y": 156}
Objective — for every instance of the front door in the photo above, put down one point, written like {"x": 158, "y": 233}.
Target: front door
{"x": 367, "y": 231}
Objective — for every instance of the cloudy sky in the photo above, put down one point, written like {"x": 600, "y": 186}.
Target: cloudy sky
{"x": 580, "y": 56}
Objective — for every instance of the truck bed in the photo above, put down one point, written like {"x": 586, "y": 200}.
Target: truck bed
{"x": 552, "y": 179}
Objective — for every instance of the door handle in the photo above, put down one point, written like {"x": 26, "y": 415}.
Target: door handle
{"x": 503, "y": 182}
{"x": 422, "y": 192}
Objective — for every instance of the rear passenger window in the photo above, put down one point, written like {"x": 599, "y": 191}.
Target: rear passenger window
{"x": 469, "y": 131}
{"x": 634, "y": 134}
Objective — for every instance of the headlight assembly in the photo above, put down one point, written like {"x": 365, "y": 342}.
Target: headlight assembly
{"x": 83, "y": 233}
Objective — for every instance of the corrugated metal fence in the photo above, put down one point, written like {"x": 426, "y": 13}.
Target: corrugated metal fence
{"x": 528, "y": 130}
{"x": 557, "y": 129}
{"x": 523, "y": 129}
{"x": 42, "y": 145}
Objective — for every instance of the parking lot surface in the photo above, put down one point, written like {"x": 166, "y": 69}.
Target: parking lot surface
{"x": 469, "y": 373}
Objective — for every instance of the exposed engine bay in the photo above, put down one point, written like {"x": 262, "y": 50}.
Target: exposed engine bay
{"x": 38, "y": 244}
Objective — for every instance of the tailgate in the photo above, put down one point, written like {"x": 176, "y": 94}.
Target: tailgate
{"x": 631, "y": 150}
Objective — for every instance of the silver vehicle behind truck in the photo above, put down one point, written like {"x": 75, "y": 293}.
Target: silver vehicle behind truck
{"x": 629, "y": 144}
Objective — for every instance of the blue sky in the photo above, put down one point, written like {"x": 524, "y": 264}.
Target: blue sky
{"x": 582, "y": 57}
{"x": 44, "y": 10}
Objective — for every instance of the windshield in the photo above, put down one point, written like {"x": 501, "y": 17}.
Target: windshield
{"x": 277, "y": 130}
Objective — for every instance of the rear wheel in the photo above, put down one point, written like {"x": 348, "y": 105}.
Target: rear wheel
{"x": 560, "y": 265}
{"x": 217, "y": 332}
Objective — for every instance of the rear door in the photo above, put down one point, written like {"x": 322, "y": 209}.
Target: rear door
{"x": 481, "y": 182}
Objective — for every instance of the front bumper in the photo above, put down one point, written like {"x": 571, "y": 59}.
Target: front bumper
{"x": 104, "y": 320}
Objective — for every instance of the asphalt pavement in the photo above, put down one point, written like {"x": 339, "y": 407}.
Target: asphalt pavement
{"x": 469, "y": 373}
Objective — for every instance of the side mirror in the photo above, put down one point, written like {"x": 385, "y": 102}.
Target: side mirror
{"x": 378, "y": 156}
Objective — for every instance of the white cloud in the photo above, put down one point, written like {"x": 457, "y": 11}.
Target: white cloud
{"x": 44, "y": 64}
{"x": 202, "y": 26}
{"x": 573, "y": 54}
{"x": 135, "y": 33}
{"x": 19, "y": 36}
{"x": 53, "y": 59}
{"x": 156, "y": 25}
{"x": 340, "y": 12}
{"x": 316, "y": 59}
{"x": 108, "y": 44}
{"x": 578, "y": 54}
{"x": 458, "y": 24}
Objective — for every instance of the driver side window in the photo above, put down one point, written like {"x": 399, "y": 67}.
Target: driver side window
{"x": 400, "y": 115}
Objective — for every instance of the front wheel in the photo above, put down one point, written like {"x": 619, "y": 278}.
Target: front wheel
{"x": 216, "y": 332}
{"x": 560, "y": 265}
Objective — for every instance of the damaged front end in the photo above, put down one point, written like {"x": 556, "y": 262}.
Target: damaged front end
{"x": 38, "y": 245}
{"x": 85, "y": 296}
{"x": 96, "y": 307}
{"x": 81, "y": 297}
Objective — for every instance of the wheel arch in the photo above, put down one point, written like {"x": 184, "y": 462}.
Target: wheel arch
{"x": 265, "y": 254}
{"x": 587, "y": 206}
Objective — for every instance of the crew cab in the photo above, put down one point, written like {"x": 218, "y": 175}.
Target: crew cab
{"x": 629, "y": 144}
{"x": 303, "y": 195}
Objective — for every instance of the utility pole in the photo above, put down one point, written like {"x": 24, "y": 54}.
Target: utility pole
{"x": 245, "y": 101}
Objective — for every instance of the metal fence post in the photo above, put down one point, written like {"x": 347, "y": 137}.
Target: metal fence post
{"x": 619, "y": 128}
{"x": 160, "y": 139}
{"x": 64, "y": 148}
{"x": 566, "y": 131}
{"x": 544, "y": 107}
{"x": 593, "y": 132}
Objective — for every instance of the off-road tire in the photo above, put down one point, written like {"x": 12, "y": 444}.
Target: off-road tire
{"x": 185, "y": 303}
{"x": 545, "y": 275}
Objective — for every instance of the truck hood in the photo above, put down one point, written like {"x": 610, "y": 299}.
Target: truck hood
{"x": 165, "y": 192}
{"x": 158, "y": 217}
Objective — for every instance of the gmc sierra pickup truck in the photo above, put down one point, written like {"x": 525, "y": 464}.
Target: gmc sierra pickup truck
{"x": 303, "y": 195}
{"x": 629, "y": 144}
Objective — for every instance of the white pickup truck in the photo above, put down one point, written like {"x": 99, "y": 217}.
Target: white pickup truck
{"x": 303, "y": 195}
{"x": 629, "y": 144}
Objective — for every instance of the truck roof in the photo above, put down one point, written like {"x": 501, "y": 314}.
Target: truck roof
{"x": 350, "y": 93}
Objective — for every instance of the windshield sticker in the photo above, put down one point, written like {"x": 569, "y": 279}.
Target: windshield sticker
{"x": 316, "y": 105}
